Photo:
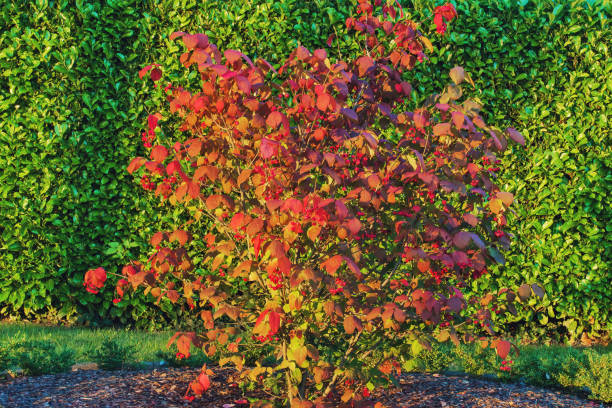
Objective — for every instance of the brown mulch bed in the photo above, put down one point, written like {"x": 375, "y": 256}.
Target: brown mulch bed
{"x": 166, "y": 387}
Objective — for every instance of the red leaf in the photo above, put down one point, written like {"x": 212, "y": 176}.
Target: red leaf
{"x": 370, "y": 138}
{"x": 173, "y": 167}
{"x": 268, "y": 148}
{"x": 243, "y": 84}
{"x": 273, "y": 204}
{"x": 455, "y": 304}
{"x": 274, "y": 119}
{"x": 364, "y": 63}
{"x": 442, "y": 129}
{"x": 462, "y": 239}
{"x": 192, "y": 41}
{"x": 354, "y": 225}
{"x": 341, "y": 210}
{"x": 204, "y": 381}
{"x": 261, "y": 317}
{"x": 353, "y": 267}
{"x": 232, "y": 55}
{"x": 503, "y": 348}
{"x": 177, "y": 34}
{"x": 179, "y": 235}
{"x": 302, "y": 53}
{"x": 330, "y": 39}
{"x": 254, "y": 226}
{"x": 320, "y": 54}
{"x": 156, "y": 74}
{"x": 274, "y": 321}
{"x": 144, "y": 71}
{"x": 94, "y": 280}
{"x": 294, "y": 205}
{"x": 157, "y": 238}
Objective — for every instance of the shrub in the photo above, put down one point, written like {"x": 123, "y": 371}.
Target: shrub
{"x": 65, "y": 144}
{"x": 327, "y": 218}
{"x": 597, "y": 376}
{"x": 6, "y": 359}
{"x": 174, "y": 359}
{"x": 434, "y": 360}
{"x": 307, "y": 185}
{"x": 112, "y": 355}
{"x": 37, "y": 357}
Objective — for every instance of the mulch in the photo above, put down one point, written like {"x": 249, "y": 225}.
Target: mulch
{"x": 166, "y": 388}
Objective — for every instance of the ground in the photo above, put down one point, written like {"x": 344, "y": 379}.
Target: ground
{"x": 166, "y": 387}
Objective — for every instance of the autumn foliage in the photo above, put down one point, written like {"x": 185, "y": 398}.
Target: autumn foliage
{"x": 328, "y": 221}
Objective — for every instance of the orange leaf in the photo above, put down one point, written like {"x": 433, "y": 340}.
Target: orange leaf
{"x": 364, "y": 64}
{"x": 506, "y": 198}
{"x": 313, "y": 232}
{"x": 237, "y": 221}
{"x": 254, "y": 226}
{"x": 374, "y": 181}
{"x": 244, "y": 176}
{"x": 442, "y": 129}
{"x": 159, "y": 153}
{"x": 135, "y": 164}
{"x": 274, "y": 119}
{"x": 213, "y": 201}
{"x": 332, "y": 264}
{"x": 179, "y": 235}
{"x": 323, "y": 101}
{"x": 495, "y": 205}
{"x": 183, "y": 343}
{"x": 193, "y": 190}
{"x": 351, "y": 323}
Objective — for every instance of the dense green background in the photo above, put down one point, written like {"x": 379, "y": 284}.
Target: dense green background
{"x": 72, "y": 109}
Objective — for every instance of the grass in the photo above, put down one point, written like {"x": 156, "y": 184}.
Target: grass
{"x": 576, "y": 369}
{"x": 85, "y": 342}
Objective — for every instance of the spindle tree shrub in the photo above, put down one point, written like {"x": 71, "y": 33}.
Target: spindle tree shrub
{"x": 328, "y": 222}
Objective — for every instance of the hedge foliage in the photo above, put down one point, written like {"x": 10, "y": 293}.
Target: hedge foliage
{"x": 72, "y": 109}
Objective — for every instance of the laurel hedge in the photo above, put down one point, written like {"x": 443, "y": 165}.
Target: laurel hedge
{"x": 72, "y": 109}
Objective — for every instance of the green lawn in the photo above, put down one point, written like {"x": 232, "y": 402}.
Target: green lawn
{"x": 575, "y": 369}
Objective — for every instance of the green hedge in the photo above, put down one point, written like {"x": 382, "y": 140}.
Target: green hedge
{"x": 72, "y": 108}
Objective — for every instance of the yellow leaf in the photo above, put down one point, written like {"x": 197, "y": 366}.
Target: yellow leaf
{"x": 427, "y": 43}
